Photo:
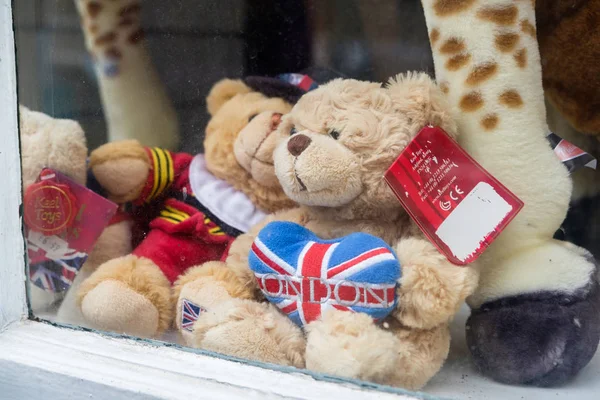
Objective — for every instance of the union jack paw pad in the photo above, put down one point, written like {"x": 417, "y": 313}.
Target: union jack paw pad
{"x": 189, "y": 314}
{"x": 304, "y": 275}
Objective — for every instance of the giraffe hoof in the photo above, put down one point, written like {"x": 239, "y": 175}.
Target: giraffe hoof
{"x": 542, "y": 339}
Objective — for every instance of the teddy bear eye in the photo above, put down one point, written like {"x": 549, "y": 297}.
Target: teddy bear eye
{"x": 334, "y": 134}
{"x": 293, "y": 130}
{"x": 252, "y": 117}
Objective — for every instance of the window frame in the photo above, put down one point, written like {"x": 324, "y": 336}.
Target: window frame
{"x": 42, "y": 359}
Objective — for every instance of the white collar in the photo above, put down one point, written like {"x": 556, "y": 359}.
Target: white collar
{"x": 220, "y": 198}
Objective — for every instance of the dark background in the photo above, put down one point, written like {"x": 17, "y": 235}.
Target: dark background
{"x": 194, "y": 43}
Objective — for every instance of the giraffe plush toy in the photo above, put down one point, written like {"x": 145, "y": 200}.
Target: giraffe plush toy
{"x": 535, "y": 316}
{"x": 115, "y": 40}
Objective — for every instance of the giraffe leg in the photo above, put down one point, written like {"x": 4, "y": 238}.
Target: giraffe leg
{"x": 535, "y": 317}
{"x": 134, "y": 100}
{"x": 540, "y": 338}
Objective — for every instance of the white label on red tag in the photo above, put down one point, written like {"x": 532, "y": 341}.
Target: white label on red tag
{"x": 459, "y": 206}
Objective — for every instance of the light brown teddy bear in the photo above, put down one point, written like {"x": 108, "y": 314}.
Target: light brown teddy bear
{"x": 336, "y": 144}
{"x": 204, "y": 201}
{"x": 60, "y": 144}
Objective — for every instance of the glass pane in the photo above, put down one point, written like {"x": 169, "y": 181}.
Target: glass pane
{"x": 159, "y": 137}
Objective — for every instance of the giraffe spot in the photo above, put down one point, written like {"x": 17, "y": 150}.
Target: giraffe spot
{"x": 521, "y": 58}
{"x": 501, "y": 15}
{"x": 136, "y": 36}
{"x": 444, "y": 87}
{"x": 127, "y": 21}
{"x": 113, "y": 53}
{"x": 511, "y": 98}
{"x": 130, "y": 9}
{"x": 457, "y": 62}
{"x": 93, "y": 28}
{"x": 506, "y": 42}
{"x": 444, "y": 8}
{"x": 471, "y": 102}
{"x": 93, "y": 9}
{"x": 528, "y": 28}
{"x": 452, "y": 46}
{"x": 482, "y": 72}
{"x": 490, "y": 121}
{"x": 108, "y": 37}
{"x": 434, "y": 35}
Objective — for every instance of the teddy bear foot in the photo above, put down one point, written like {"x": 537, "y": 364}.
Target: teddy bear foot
{"x": 542, "y": 339}
{"x": 350, "y": 345}
{"x": 127, "y": 295}
{"x": 112, "y": 306}
{"x": 200, "y": 289}
{"x": 251, "y": 330}
{"x": 353, "y": 346}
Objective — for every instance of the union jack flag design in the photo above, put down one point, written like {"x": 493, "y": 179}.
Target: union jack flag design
{"x": 304, "y": 275}
{"x": 302, "y": 81}
{"x": 57, "y": 275}
{"x": 189, "y": 315}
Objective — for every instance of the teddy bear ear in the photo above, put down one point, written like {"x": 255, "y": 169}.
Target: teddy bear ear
{"x": 223, "y": 91}
{"x": 418, "y": 96}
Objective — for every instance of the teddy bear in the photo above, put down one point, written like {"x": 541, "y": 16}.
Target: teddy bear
{"x": 334, "y": 148}
{"x": 60, "y": 144}
{"x": 201, "y": 202}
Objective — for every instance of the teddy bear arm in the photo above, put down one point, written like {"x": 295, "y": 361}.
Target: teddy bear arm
{"x": 431, "y": 288}
{"x": 121, "y": 168}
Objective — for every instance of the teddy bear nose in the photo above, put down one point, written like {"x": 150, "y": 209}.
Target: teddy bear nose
{"x": 297, "y": 144}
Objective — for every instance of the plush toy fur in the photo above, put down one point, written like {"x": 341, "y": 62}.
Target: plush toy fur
{"x": 338, "y": 182}
{"x": 534, "y": 315}
{"x": 569, "y": 41}
{"x": 569, "y": 47}
{"x": 135, "y": 101}
{"x": 60, "y": 144}
{"x": 131, "y": 294}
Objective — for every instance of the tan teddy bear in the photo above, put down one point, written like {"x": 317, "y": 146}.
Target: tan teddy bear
{"x": 336, "y": 144}
{"x": 204, "y": 201}
{"x": 60, "y": 144}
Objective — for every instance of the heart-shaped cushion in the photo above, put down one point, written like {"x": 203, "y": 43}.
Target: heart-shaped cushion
{"x": 304, "y": 275}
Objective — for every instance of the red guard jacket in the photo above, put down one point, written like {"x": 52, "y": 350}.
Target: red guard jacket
{"x": 184, "y": 233}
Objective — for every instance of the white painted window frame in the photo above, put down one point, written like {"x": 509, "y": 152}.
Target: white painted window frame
{"x": 39, "y": 359}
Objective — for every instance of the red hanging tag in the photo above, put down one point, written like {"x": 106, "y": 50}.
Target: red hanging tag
{"x": 457, "y": 204}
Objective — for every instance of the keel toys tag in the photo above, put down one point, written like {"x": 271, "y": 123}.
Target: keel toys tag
{"x": 50, "y": 207}
{"x": 457, "y": 204}
{"x": 63, "y": 220}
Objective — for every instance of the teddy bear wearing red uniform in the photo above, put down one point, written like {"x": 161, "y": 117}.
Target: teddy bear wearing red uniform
{"x": 196, "y": 229}
{"x": 195, "y": 204}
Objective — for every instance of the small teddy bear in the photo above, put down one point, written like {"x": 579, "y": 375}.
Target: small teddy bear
{"x": 203, "y": 202}
{"x": 60, "y": 144}
{"x": 335, "y": 146}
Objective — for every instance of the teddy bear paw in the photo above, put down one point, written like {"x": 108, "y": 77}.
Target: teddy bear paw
{"x": 351, "y": 345}
{"x": 541, "y": 339}
{"x": 112, "y": 306}
{"x": 128, "y": 295}
{"x": 250, "y": 330}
